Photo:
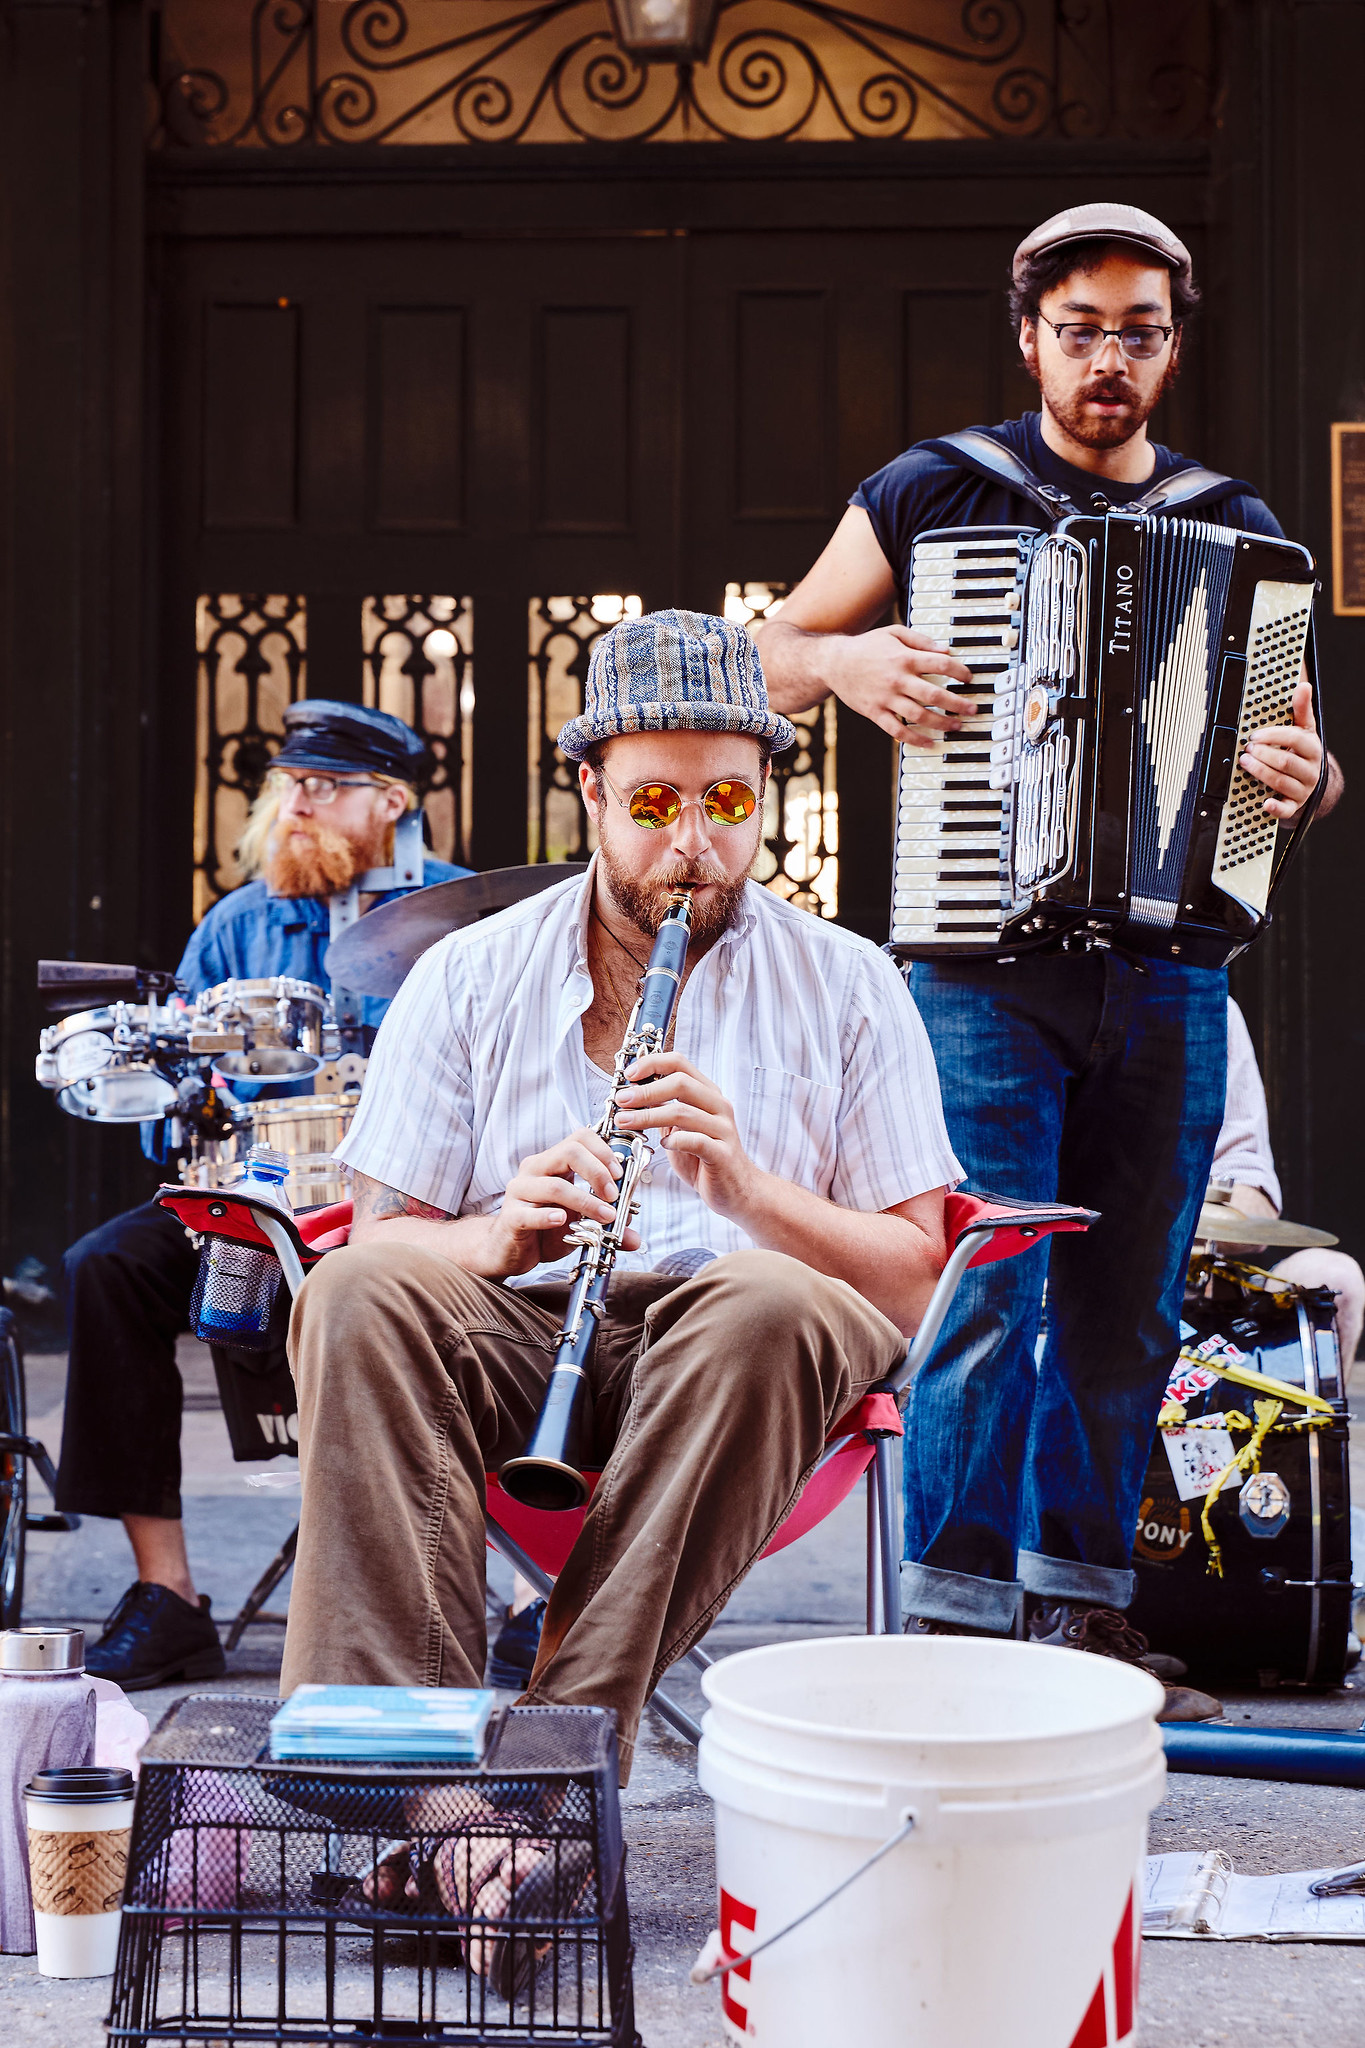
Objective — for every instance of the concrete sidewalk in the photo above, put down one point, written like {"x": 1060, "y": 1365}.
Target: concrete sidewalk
{"x": 1194, "y": 1995}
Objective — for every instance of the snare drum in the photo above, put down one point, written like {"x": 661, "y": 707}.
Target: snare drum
{"x": 273, "y": 1011}
{"x": 118, "y": 1065}
{"x": 307, "y": 1130}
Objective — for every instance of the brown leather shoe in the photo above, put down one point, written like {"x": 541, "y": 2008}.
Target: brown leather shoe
{"x": 1187, "y": 1703}
{"x": 1083, "y": 1625}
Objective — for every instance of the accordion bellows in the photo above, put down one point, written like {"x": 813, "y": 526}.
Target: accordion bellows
{"x": 1127, "y": 661}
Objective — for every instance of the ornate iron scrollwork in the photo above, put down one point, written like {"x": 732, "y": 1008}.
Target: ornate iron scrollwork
{"x": 318, "y": 71}
{"x": 252, "y": 664}
{"x": 799, "y": 858}
{"x": 561, "y": 632}
{"x": 419, "y": 664}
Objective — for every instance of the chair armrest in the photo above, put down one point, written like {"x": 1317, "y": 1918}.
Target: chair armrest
{"x": 1006, "y": 1227}
{"x": 227, "y": 1212}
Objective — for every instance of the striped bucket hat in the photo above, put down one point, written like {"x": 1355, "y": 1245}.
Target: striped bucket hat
{"x": 674, "y": 672}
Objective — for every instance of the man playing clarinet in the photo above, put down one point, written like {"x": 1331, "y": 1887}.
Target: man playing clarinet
{"x": 1084, "y": 1076}
{"x": 790, "y": 1231}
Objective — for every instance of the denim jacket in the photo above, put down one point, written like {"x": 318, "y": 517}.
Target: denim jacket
{"x": 251, "y": 934}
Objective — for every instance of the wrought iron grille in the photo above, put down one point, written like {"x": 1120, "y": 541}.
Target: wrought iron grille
{"x": 419, "y": 664}
{"x": 275, "y": 73}
{"x": 252, "y": 663}
{"x": 560, "y": 636}
{"x": 800, "y": 853}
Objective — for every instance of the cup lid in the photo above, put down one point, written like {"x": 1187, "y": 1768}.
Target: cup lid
{"x": 80, "y": 1784}
{"x": 34, "y": 1648}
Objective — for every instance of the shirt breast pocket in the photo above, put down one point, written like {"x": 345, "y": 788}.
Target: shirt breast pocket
{"x": 792, "y": 1127}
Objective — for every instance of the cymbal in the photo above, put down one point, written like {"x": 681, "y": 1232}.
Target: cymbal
{"x": 374, "y": 955}
{"x": 1221, "y": 1224}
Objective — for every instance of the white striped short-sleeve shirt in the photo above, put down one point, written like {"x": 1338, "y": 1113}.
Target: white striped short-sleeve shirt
{"x": 1242, "y": 1154}
{"x": 808, "y": 1030}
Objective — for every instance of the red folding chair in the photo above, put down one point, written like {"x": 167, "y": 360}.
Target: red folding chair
{"x": 980, "y": 1229}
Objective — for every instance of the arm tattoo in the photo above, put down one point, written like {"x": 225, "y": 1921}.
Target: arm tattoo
{"x": 372, "y": 1199}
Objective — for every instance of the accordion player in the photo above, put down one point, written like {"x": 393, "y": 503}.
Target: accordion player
{"x": 1097, "y": 797}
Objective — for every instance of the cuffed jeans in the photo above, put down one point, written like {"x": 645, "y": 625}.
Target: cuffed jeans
{"x": 712, "y": 1401}
{"x": 1080, "y": 1078}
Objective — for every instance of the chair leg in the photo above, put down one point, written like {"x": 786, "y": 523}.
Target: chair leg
{"x": 263, "y": 1588}
{"x": 884, "y": 1465}
{"x": 681, "y": 1723}
{"x": 701, "y": 1658}
{"x": 874, "y": 1562}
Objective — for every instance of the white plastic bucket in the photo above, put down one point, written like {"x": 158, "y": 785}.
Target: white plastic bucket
{"x": 1010, "y": 1918}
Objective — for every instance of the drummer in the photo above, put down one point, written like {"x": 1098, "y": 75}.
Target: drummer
{"x": 333, "y": 794}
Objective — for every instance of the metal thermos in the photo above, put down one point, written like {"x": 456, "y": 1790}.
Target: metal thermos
{"x": 47, "y": 1722}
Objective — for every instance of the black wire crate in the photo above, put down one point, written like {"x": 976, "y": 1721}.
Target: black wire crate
{"x": 376, "y": 1903}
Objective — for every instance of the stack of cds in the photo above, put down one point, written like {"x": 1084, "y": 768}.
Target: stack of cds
{"x": 381, "y": 1724}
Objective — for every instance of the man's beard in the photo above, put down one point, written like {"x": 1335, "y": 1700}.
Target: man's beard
{"x": 310, "y": 859}
{"x": 645, "y": 903}
{"x": 1068, "y": 408}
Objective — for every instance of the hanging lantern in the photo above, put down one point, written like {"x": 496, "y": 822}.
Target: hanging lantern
{"x": 665, "y": 31}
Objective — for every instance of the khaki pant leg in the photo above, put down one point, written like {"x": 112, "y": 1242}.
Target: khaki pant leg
{"x": 744, "y": 1370}
{"x": 414, "y": 1377}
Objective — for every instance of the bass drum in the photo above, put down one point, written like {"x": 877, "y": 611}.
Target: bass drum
{"x": 1281, "y": 1612}
{"x": 307, "y": 1129}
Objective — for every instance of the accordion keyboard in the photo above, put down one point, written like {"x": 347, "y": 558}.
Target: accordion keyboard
{"x": 953, "y": 799}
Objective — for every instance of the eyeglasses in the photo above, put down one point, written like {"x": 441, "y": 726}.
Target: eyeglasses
{"x": 1080, "y": 338}
{"x": 657, "y": 804}
{"x": 319, "y": 789}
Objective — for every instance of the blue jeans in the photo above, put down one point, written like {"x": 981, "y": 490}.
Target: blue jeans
{"x": 1080, "y": 1078}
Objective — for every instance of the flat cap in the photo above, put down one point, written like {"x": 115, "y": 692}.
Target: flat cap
{"x": 674, "y": 671}
{"x": 347, "y": 739}
{"x": 1105, "y": 220}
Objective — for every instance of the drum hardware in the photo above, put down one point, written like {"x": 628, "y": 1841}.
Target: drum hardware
{"x": 405, "y": 871}
{"x": 373, "y": 957}
{"x": 1264, "y": 1504}
{"x": 91, "y": 984}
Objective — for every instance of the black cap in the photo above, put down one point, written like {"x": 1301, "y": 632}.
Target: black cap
{"x": 348, "y": 739}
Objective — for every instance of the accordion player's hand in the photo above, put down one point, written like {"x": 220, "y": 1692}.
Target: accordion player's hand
{"x": 1287, "y": 759}
{"x": 897, "y": 676}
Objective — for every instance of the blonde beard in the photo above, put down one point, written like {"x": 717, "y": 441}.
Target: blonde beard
{"x": 312, "y": 860}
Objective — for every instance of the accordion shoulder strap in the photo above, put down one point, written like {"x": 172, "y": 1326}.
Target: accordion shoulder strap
{"x": 1184, "y": 488}
{"x": 990, "y": 458}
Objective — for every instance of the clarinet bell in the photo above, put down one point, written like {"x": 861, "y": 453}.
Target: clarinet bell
{"x": 546, "y": 1475}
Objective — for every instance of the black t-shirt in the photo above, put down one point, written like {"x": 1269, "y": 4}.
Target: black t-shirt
{"x": 921, "y": 490}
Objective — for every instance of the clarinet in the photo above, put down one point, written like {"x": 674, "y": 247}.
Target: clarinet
{"x": 547, "y": 1473}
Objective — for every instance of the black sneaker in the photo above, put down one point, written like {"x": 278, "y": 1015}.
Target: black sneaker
{"x": 513, "y": 1655}
{"x": 153, "y": 1636}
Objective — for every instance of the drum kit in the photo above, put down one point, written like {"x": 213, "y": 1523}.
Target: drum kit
{"x": 249, "y": 1062}
{"x": 1255, "y": 1587}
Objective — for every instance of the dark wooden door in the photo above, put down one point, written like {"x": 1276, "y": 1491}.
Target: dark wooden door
{"x": 534, "y": 426}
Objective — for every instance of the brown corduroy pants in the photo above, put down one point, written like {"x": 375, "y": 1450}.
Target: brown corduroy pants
{"x": 712, "y": 1401}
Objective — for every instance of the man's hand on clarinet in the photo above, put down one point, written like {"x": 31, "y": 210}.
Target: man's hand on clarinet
{"x": 545, "y": 1197}
{"x": 1287, "y": 759}
{"x": 895, "y": 676}
{"x": 700, "y": 1135}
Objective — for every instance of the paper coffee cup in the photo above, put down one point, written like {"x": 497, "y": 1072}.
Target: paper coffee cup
{"x": 79, "y": 1822}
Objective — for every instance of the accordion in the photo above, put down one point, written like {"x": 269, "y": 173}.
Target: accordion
{"x": 1120, "y": 665}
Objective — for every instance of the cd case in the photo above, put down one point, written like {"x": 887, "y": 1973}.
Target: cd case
{"x": 382, "y": 1724}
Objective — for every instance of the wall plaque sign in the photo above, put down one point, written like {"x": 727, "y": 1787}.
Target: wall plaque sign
{"x": 1348, "y": 518}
